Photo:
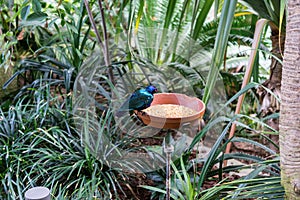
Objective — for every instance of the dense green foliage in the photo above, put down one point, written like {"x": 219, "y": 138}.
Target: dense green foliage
{"x": 52, "y": 44}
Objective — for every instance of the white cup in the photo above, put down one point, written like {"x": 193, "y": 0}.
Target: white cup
{"x": 37, "y": 193}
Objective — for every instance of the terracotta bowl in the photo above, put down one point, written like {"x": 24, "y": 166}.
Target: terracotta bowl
{"x": 174, "y": 122}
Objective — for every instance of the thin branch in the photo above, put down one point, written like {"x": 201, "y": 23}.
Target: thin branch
{"x": 106, "y": 51}
{"x": 104, "y": 46}
{"x": 93, "y": 24}
{"x": 107, "y": 59}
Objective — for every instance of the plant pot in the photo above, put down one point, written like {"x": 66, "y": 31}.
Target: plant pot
{"x": 173, "y": 122}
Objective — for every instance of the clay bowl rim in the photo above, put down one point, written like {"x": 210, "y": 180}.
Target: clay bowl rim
{"x": 188, "y": 118}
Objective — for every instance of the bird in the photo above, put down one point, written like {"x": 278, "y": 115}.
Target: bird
{"x": 140, "y": 99}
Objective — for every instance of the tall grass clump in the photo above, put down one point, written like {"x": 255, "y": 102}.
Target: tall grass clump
{"x": 40, "y": 146}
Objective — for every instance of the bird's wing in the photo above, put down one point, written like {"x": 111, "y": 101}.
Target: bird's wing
{"x": 140, "y": 100}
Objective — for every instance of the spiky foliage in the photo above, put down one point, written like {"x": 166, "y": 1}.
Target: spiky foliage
{"x": 39, "y": 146}
{"x": 191, "y": 175}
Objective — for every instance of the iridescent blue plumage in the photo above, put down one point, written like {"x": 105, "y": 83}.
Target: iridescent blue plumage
{"x": 139, "y": 99}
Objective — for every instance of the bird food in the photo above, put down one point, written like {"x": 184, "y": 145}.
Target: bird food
{"x": 169, "y": 111}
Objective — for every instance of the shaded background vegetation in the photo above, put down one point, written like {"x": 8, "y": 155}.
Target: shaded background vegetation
{"x": 50, "y": 44}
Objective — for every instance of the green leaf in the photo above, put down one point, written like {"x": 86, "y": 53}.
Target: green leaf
{"x": 156, "y": 190}
{"x": 253, "y": 174}
{"x": 214, "y": 153}
{"x": 258, "y": 7}
{"x": 169, "y": 14}
{"x": 272, "y": 13}
{"x": 206, "y": 128}
{"x": 201, "y": 18}
{"x": 139, "y": 15}
{"x": 281, "y": 17}
{"x": 36, "y": 6}
{"x": 25, "y": 12}
{"x": 35, "y": 19}
{"x": 220, "y": 46}
{"x": 72, "y": 28}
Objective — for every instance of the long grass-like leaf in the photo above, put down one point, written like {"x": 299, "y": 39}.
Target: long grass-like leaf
{"x": 155, "y": 189}
{"x": 220, "y": 46}
{"x": 201, "y": 18}
{"x": 139, "y": 16}
{"x": 213, "y": 154}
{"x": 208, "y": 126}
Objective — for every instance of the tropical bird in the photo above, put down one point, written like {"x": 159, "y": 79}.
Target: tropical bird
{"x": 139, "y": 100}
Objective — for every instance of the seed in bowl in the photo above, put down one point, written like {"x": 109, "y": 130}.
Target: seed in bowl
{"x": 169, "y": 111}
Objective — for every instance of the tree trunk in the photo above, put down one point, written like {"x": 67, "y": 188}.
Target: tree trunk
{"x": 289, "y": 127}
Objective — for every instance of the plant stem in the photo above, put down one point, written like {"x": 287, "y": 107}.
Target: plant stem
{"x": 168, "y": 148}
{"x": 93, "y": 23}
{"x": 260, "y": 24}
{"x": 103, "y": 45}
{"x": 105, "y": 48}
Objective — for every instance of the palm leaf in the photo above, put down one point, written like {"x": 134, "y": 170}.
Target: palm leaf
{"x": 220, "y": 46}
{"x": 201, "y": 18}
